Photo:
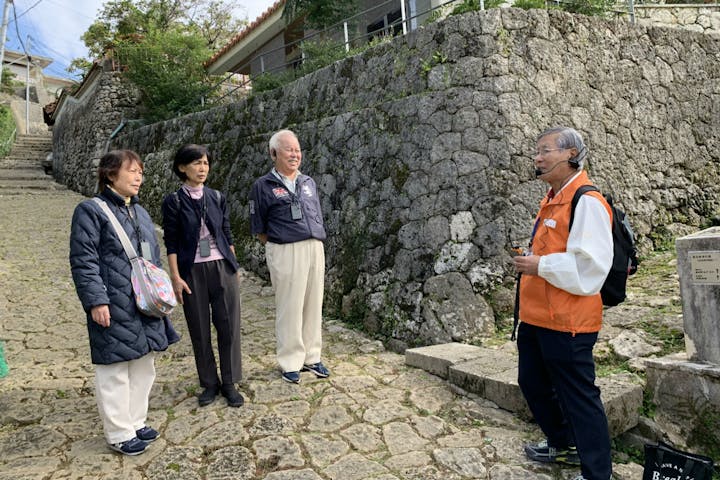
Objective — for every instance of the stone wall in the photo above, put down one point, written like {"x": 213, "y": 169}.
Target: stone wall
{"x": 697, "y": 18}
{"x": 82, "y": 130}
{"x": 420, "y": 150}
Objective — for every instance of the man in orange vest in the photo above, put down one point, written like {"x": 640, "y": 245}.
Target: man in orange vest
{"x": 561, "y": 311}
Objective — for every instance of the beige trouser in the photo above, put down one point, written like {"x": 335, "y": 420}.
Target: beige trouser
{"x": 122, "y": 391}
{"x": 297, "y": 272}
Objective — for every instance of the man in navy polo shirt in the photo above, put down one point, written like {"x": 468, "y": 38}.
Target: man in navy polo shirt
{"x": 286, "y": 217}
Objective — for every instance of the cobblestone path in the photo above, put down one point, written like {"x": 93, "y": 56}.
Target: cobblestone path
{"x": 374, "y": 418}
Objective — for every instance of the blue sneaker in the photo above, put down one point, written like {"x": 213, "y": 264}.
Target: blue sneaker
{"x": 147, "y": 434}
{"x": 292, "y": 377}
{"x": 318, "y": 369}
{"x": 134, "y": 446}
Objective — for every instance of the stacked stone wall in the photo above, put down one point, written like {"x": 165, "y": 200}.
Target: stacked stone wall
{"x": 697, "y": 18}
{"x": 420, "y": 151}
{"x": 81, "y": 134}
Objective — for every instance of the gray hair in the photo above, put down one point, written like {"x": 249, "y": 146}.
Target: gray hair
{"x": 274, "y": 142}
{"x": 568, "y": 138}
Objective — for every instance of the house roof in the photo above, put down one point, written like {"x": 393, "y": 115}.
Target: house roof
{"x": 13, "y": 56}
{"x": 244, "y": 34}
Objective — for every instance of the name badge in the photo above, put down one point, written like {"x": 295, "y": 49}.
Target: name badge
{"x": 145, "y": 251}
{"x": 204, "y": 247}
{"x": 296, "y": 211}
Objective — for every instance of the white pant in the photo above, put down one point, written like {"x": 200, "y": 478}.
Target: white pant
{"x": 297, "y": 272}
{"x": 122, "y": 391}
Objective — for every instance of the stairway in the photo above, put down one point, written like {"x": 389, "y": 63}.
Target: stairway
{"x": 25, "y": 169}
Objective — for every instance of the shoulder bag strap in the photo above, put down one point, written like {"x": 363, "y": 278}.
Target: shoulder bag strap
{"x": 127, "y": 245}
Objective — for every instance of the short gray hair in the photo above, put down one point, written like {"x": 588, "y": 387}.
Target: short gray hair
{"x": 275, "y": 139}
{"x": 568, "y": 138}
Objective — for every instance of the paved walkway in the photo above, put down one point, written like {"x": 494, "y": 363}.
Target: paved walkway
{"x": 374, "y": 418}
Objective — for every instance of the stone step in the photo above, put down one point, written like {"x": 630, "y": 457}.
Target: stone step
{"x": 11, "y": 192}
{"x": 23, "y": 174}
{"x": 21, "y": 164}
{"x": 492, "y": 374}
{"x": 28, "y": 185}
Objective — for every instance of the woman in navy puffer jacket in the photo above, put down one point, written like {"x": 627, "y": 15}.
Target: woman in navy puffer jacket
{"x": 122, "y": 340}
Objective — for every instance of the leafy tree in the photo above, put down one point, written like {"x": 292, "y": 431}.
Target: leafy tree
{"x": 120, "y": 20}
{"x": 167, "y": 67}
{"x": 162, "y": 45}
{"x": 319, "y": 14}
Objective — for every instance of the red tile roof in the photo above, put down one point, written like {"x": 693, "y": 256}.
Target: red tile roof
{"x": 246, "y": 31}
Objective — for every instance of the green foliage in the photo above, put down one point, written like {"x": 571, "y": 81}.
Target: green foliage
{"x": 162, "y": 45}
{"x": 528, "y": 4}
{"x": 585, "y": 7}
{"x": 167, "y": 68}
{"x": 8, "y": 81}
{"x": 588, "y": 7}
{"x": 318, "y": 54}
{"x": 474, "y": 5}
{"x": 319, "y": 14}
{"x": 121, "y": 20}
{"x": 7, "y": 130}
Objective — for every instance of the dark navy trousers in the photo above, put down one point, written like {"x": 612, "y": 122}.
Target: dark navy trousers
{"x": 557, "y": 378}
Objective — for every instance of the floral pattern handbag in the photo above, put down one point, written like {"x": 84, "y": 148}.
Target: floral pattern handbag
{"x": 154, "y": 294}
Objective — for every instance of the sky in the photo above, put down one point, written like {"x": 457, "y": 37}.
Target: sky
{"x": 55, "y": 27}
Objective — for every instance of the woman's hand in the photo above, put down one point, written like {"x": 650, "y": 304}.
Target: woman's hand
{"x": 101, "y": 315}
{"x": 179, "y": 286}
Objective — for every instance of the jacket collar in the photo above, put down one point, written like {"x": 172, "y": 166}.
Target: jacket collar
{"x": 110, "y": 196}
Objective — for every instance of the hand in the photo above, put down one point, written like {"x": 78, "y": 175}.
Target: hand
{"x": 101, "y": 315}
{"x": 527, "y": 264}
{"x": 179, "y": 286}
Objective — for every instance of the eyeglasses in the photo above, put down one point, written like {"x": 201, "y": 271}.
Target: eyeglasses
{"x": 543, "y": 152}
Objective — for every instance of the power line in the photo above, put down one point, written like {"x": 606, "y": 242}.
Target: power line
{"x": 17, "y": 31}
{"x": 26, "y": 11}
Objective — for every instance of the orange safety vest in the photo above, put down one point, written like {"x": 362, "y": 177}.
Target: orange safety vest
{"x": 541, "y": 303}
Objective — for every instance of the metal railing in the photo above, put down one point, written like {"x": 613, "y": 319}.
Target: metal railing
{"x": 338, "y": 32}
{"x": 230, "y": 85}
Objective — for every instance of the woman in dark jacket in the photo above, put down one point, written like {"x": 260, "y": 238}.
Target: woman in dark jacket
{"x": 203, "y": 269}
{"x": 122, "y": 340}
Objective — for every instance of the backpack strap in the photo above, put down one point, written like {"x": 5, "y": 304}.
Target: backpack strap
{"x": 576, "y": 198}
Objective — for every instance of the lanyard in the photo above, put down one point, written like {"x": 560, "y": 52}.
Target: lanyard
{"x": 132, "y": 215}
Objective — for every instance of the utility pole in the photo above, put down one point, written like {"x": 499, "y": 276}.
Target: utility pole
{"x": 27, "y": 87}
{"x": 3, "y": 32}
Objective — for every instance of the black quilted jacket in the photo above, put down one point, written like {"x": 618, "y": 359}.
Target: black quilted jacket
{"x": 101, "y": 272}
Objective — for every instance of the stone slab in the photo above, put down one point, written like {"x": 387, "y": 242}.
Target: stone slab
{"x": 493, "y": 374}
{"x": 686, "y": 396}
{"x": 436, "y": 359}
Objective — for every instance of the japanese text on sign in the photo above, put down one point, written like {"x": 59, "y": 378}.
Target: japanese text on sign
{"x": 705, "y": 267}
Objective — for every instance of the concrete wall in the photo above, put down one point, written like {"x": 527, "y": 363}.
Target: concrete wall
{"x": 419, "y": 148}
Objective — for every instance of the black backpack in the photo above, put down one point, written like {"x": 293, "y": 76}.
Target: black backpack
{"x": 625, "y": 260}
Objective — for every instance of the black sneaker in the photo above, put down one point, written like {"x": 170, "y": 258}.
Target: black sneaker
{"x": 147, "y": 434}
{"x": 292, "y": 377}
{"x": 318, "y": 369}
{"x": 134, "y": 446}
{"x": 542, "y": 452}
{"x": 208, "y": 396}
{"x": 234, "y": 399}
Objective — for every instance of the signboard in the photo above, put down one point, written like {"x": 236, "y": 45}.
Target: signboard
{"x": 705, "y": 267}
